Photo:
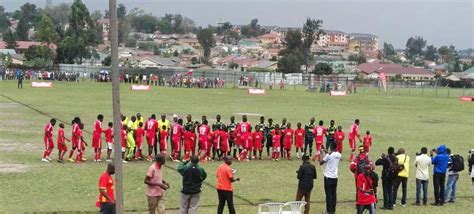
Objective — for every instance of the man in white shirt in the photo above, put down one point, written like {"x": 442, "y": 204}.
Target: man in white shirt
{"x": 330, "y": 177}
{"x": 422, "y": 164}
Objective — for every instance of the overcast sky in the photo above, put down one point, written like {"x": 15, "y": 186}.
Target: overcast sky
{"x": 440, "y": 22}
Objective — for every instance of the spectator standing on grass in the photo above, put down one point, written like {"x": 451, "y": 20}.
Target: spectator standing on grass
{"x": 106, "y": 200}
{"x": 453, "y": 176}
{"x": 366, "y": 199}
{"x": 422, "y": 164}
{"x": 225, "y": 178}
{"x": 306, "y": 175}
{"x": 193, "y": 176}
{"x": 388, "y": 175}
{"x": 440, "y": 162}
{"x": 20, "y": 79}
{"x": 470, "y": 164}
{"x": 402, "y": 177}
{"x": 156, "y": 186}
{"x": 330, "y": 177}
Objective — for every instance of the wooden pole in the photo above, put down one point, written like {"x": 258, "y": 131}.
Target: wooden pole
{"x": 116, "y": 107}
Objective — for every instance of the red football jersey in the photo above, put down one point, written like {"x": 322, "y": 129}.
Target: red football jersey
{"x": 288, "y": 138}
{"x": 109, "y": 135}
{"x": 276, "y": 140}
{"x": 139, "y": 134}
{"x": 299, "y": 136}
{"x": 367, "y": 141}
{"x": 48, "y": 130}
{"x": 97, "y": 129}
{"x": 61, "y": 136}
{"x": 163, "y": 136}
{"x": 243, "y": 129}
{"x": 151, "y": 127}
{"x": 319, "y": 133}
{"x": 339, "y": 136}
{"x": 177, "y": 132}
{"x": 124, "y": 138}
{"x": 257, "y": 137}
{"x": 75, "y": 127}
{"x": 224, "y": 136}
{"x": 354, "y": 131}
{"x": 203, "y": 132}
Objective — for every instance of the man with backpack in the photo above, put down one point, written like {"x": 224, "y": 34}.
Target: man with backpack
{"x": 388, "y": 162}
{"x": 455, "y": 165}
{"x": 402, "y": 177}
{"x": 440, "y": 162}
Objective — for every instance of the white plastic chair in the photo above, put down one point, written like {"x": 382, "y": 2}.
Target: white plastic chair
{"x": 296, "y": 207}
{"x": 273, "y": 208}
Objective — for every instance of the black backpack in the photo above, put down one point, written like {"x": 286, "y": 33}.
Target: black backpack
{"x": 457, "y": 163}
{"x": 394, "y": 168}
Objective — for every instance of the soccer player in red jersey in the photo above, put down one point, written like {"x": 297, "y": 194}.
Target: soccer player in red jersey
{"x": 189, "y": 141}
{"x": 106, "y": 199}
{"x": 48, "y": 140}
{"x": 224, "y": 144}
{"x": 139, "y": 133}
{"x": 299, "y": 140}
{"x": 163, "y": 137}
{"x": 123, "y": 141}
{"x": 249, "y": 146}
{"x": 151, "y": 127}
{"x": 176, "y": 136}
{"x": 319, "y": 133}
{"x": 367, "y": 142}
{"x": 203, "y": 131}
{"x": 96, "y": 138}
{"x": 62, "y": 148}
{"x": 339, "y": 137}
{"x": 288, "y": 141}
{"x": 109, "y": 139}
{"x": 276, "y": 143}
{"x": 257, "y": 143}
{"x": 81, "y": 145}
{"x": 243, "y": 131}
{"x": 215, "y": 141}
{"x": 74, "y": 138}
{"x": 353, "y": 133}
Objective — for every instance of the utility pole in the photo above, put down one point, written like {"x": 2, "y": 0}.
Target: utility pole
{"x": 116, "y": 107}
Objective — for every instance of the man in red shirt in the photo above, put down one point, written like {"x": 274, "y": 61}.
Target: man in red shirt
{"x": 139, "y": 133}
{"x": 365, "y": 192}
{"x": 203, "y": 131}
{"x": 109, "y": 139}
{"x": 96, "y": 138}
{"x": 48, "y": 140}
{"x": 225, "y": 178}
{"x": 243, "y": 131}
{"x": 176, "y": 136}
{"x": 287, "y": 141}
{"x": 224, "y": 144}
{"x": 319, "y": 133}
{"x": 74, "y": 139}
{"x": 151, "y": 126}
{"x": 257, "y": 142}
{"x": 106, "y": 200}
{"x": 81, "y": 145}
{"x": 299, "y": 140}
{"x": 189, "y": 141}
{"x": 339, "y": 137}
{"x": 62, "y": 148}
{"x": 367, "y": 142}
{"x": 353, "y": 133}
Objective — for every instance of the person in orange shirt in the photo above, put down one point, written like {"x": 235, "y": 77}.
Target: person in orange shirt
{"x": 106, "y": 200}
{"x": 163, "y": 137}
{"x": 225, "y": 178}
{"x": 139, "y": 133}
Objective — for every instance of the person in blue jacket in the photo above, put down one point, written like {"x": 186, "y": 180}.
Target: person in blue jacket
{"x": 440, "y": 163}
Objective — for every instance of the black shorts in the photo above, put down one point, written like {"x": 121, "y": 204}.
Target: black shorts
{"x": 308, "y": 140}
{"x": 269, "y": 143}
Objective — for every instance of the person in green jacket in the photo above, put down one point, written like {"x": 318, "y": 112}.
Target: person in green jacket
{"x": 193, "y": 176}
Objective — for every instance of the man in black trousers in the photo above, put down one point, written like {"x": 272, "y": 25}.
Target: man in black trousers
{"x": 386, "y": 161}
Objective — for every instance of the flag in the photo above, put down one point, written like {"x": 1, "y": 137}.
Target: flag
{"x": 190, "y": 72}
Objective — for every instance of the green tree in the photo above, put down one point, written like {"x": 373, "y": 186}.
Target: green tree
{"x": 359, "y": 58}
{"x": 176, "y": 53}
{"x": 39, "y": 56}
{"x": 22, "y": 29}
{"x": 311, "y": 31}
{"x": 233, "y": 65}
{"x": 59, "y": 13}
{"x": 388, "y": 50}
{"x": 293, "y": 56}
{"x": 124, "y": 27}
{"x": 4, "y": 22}
{"x": 81, "y": 36}
{"x": 322, "y": 69}
{"x": 415, "y": 46}
{"x": 145, "y": 23}
{"x": 96, "y": 15}
{"x": 107, "y": 61}
{"x": 206, "y": 39}
{"x": 46, "y": 31}
{"x": 431, "y": 53}
{"x": 194, "y": 61}
{"x": 10, "y": 39}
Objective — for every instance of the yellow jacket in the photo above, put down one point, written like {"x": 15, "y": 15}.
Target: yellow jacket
{"x": 405, "y": 160}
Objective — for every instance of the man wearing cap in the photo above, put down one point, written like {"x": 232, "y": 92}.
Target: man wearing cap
{"x": 306, "y": 175}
